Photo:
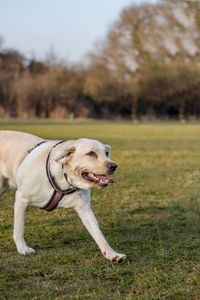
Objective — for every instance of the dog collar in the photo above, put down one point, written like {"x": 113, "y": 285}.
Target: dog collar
{"x": 37, "y": 145}
{"x": 58, "y": 193}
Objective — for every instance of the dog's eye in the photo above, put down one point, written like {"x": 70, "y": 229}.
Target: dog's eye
{"x": 92, "y": 153}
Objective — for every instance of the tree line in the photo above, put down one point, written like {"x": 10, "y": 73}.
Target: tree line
{"x": 147, "y": 65}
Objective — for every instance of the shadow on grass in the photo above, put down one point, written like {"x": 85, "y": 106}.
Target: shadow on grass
{"x": 160, "y": 234}
{"x": 161, "y": 243}
{"x": 157, "y": 234}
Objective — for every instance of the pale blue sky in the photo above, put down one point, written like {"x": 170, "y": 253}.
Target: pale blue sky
{"x": 69, "y": 27}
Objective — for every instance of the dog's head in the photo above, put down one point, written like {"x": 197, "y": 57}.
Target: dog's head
{"x": 86, "y": 162}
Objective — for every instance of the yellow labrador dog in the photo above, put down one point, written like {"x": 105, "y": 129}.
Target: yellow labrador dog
{"x": 51, "y": 174}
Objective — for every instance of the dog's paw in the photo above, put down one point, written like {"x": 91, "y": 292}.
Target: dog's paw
{"x": 114, "y": 257}
{"x": 26, "y": 250}
{"x": 119, "y": 258}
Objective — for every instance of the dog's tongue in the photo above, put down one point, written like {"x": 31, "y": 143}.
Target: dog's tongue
{"x": 104, "y": 178}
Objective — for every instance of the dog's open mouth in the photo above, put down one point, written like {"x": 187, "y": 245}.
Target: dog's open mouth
{"x": 99, "y": 180}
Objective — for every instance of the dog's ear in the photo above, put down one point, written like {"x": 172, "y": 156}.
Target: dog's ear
{"x": 63, "y": 154}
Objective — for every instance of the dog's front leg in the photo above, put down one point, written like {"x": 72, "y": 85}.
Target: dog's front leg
{"x": 90, "y": 222}
{"x": 19, "y": 217}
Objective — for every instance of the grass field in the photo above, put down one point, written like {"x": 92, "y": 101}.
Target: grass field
{"x": 151, "y": 213}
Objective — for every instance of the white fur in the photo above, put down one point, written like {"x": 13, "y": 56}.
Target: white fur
{"x": 27, "y": 173}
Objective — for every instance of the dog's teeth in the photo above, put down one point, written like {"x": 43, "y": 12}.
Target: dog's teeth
{"x": 103, "y": 181}
{"x": 93, "y": 176}
{"x": 97, "y": 178}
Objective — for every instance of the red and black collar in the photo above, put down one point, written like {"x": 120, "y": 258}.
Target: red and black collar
{"x": 58, "y": 193}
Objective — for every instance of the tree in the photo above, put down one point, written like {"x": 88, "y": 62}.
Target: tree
{"x": 153, "y": 52}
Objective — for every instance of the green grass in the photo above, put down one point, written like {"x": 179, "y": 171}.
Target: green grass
{"x": 151, "y": 213}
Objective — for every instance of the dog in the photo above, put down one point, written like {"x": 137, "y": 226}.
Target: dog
{"x": 50, "y": 174}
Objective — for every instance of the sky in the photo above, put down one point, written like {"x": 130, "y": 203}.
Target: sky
{"x": 69, "y": 28}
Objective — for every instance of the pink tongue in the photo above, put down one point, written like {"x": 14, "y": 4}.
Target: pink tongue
{"x": 103, "y": 177}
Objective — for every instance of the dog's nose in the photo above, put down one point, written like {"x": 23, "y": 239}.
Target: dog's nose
{"x": 112, "y": 166}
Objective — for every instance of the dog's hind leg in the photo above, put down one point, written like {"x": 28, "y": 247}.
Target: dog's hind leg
{"x": 21, "y": 204}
